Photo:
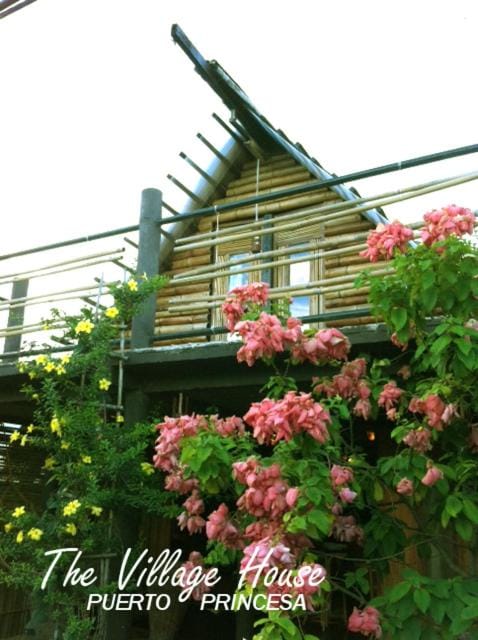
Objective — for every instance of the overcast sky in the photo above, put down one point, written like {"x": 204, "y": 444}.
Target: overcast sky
{"x": 97, "y": 102}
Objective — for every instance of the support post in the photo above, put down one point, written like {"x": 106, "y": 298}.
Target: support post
{"x": 148, "y": 263}
{"x": 16, "y": 315}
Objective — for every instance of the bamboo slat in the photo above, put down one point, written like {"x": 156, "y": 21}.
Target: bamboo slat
{"x": 166, "y": 320}
{"x": 266, "y": 178}
{"x": 266, "y": 185}
{"x": 159, "y": 330}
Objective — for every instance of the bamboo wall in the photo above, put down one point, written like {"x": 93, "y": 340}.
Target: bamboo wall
{"x": 195, "y": 304}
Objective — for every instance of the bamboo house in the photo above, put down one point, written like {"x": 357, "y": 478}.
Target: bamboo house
{"x": 263, "y": 210}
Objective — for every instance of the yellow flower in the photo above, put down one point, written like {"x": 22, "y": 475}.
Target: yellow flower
{"x": 55, "y": 425}
{"x": 104, "y": 384}
{"x": 18, "y": 512}
{"x": 49, "y": 367}
{"x": 42, "y": 359}
{"x": 71, "y": 508}
{"x": 35, "y": 396}
{"x": 71, "y": 528}
{"x": 84, "y": 326}
{"x": 64, "y": 445}
{"x": 46, "y": 326}
{"x": 14, "y": 436}
{"x": 132, "y": 285}
{"x": 24, "y": 440}
{"x": 119, "y": 418}
{"x": 49, "y": 463}
{"x": 19, "y": 537}
{"x": 96, "y": 511}
{"x": 32, "y": 375}
{"x": 60, "y": 370}
{"x": 22, "y": 367}
{"x": 86, "y": 459}
{"x": 112, "y": 312}
{"x": 35, "y": 534}
{"x": 8, "y": 526}
{"x": 65, "y": 359}
{"x": 147, "y": 468}
{"x": 30, "y": 428}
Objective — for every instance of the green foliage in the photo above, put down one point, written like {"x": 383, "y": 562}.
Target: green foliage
{"x": 94, "y": 465}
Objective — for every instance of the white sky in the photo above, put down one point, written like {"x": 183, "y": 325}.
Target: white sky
{"x": 97, "y": 101}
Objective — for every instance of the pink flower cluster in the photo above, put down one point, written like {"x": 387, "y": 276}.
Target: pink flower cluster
{"x": 227, "y": 427}
{"x": 262, "y": 338}
{"x": 451, "y": 220}
{"x": 281, "y": 556}
{"x": 267, "y": 494}
{"x": 219, "y": 527}
{"x": 418, "y": 440}
{"x": 389, "y": 397}
{"x": 405, "y": 487}
{"x": 349, "y": 383}
{"x": 385, "y": 239}
{"x": 438, "y": 413}
{"x": 366, "y": 622}
{"x": 191, "y": 518}
{"x": 326, "y": 344}
{"x": 432, "y": 476}
{"x": 240, "y": 298}
{"x": 194, "y": 561}
{"x": 341, "y": 476}
{"x": 274, "y": 420}
{"x": 171, "y": 432}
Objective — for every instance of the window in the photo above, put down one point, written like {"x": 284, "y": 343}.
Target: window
{"x": 299, "y": 274}
{"x": 238, "y": 279}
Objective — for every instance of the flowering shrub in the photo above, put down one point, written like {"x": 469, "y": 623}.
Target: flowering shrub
{"x": 87, "y": 454}
{"x": 290, "y": 485}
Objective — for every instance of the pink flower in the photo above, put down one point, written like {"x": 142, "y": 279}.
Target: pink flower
{"x": 219, "y": 527}
{"x": 191, "y": 518}
{"x": 281, "y": 556}
{"x": 432, "y": 476}
{"x": 347, "y": 495}
{"x": 240, "y": 298}
{"x": 194, "y": 561}
{"x": 363, "y": 409}
{"x": 341, "y": 475}
{"x": 405, "y": 487}
{"x": 172, "y": 430}
{"x": 226, "y": 427}
{"x": 262, "y": 338}
{"x": 451, "y": 220}
{"x": 382, "y": 242}
{"x": 366, "y": 622}
{"x": 390, "y": 395}
{"x": 275, "y": 420}
{"x": 418, "y": 439}
{"x": 437, "y": 412}
{"x": 267, "y": 494}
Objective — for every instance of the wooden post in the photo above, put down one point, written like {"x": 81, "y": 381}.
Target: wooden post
{"x": 16, "y": 315}
{"x": 148, "y": 263}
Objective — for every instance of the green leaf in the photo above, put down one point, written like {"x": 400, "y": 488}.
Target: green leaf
{"x": 464, "y": 529}
{"x": 399, "y": 317}
{"x": 429, "y": 299}
{"x": 470, "y": 613}
{"x": 440, "y": 344}
{"x": 422, "y": 599}
{"x": 470, "y": 510}
{"x": 453, "y": 506}
{"x": 399, "y": 591}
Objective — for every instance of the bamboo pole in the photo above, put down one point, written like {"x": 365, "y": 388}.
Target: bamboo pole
{"x": 51, "y": 297}
{"x": 216, "y": 270}
{"x": 349, "y": 206}
{"x": 10, "y": 277}
{"x": 316, "y": 287}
